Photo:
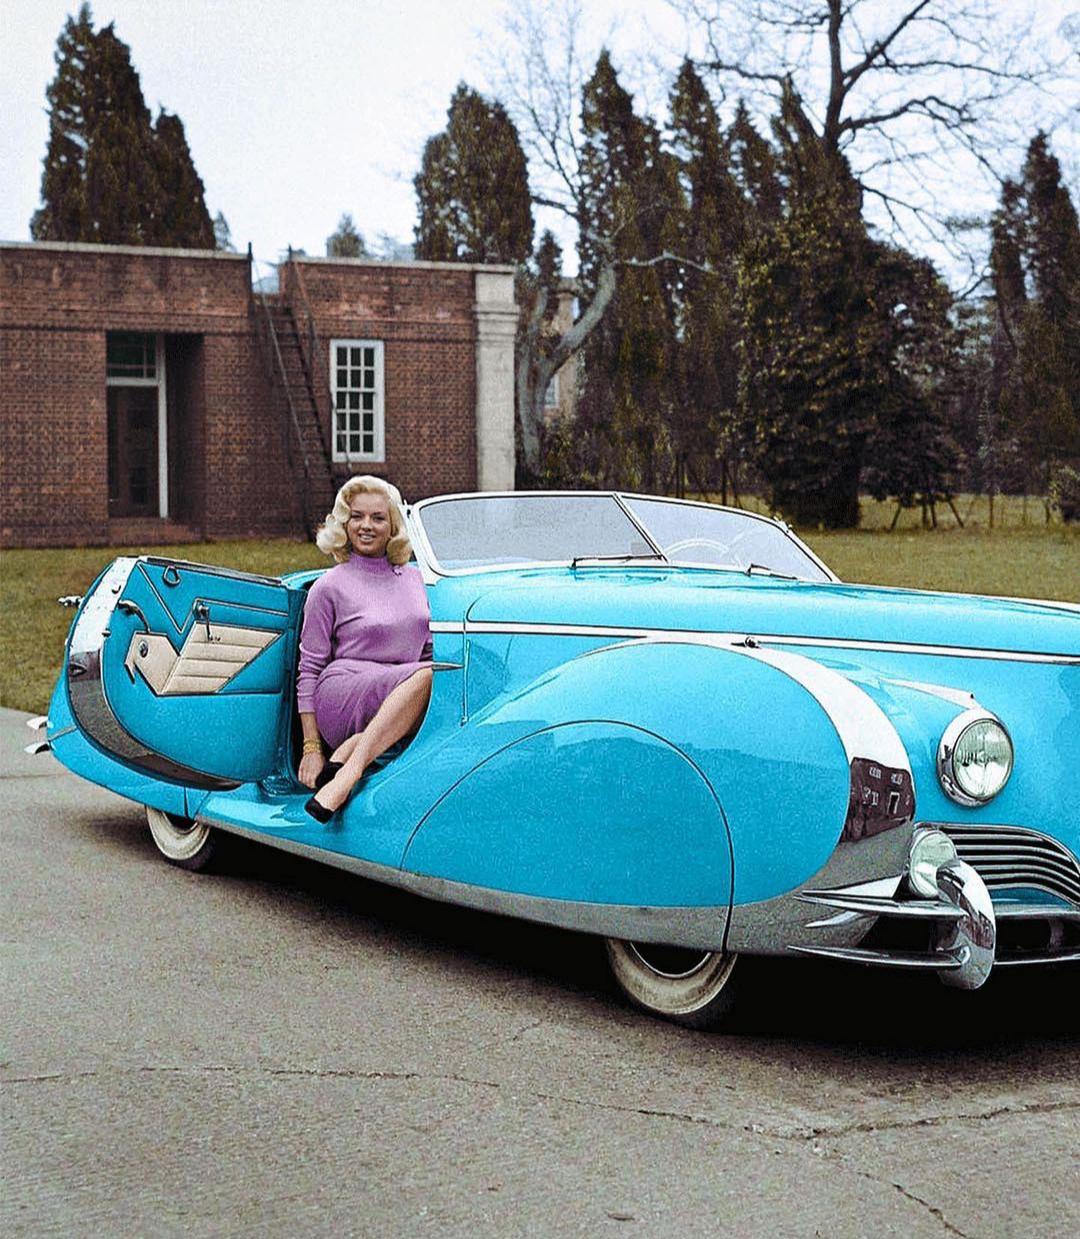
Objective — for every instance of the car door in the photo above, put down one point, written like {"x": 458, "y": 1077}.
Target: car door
{"x": 183, "y": 670}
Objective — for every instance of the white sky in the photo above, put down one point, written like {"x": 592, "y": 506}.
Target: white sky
{"x": 298, "y": 111}
{"x": 295, "y": 112}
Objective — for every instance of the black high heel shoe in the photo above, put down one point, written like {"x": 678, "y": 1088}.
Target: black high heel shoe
{"x": 327, "y": 773}
{"x": 318, "y": 811}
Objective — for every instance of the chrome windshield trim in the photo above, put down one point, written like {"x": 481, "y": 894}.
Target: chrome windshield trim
{"x": 619, "y": 632}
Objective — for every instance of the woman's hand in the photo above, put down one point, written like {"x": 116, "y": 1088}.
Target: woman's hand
{"x": 311, "y": 766}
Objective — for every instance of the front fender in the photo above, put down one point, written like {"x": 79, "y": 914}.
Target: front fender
{"x": 781, "y": 742}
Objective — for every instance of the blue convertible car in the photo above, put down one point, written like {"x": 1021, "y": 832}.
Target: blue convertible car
{"x": 661, "y": 722}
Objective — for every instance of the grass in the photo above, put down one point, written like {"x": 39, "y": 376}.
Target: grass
{"x": 1032, "y": 560}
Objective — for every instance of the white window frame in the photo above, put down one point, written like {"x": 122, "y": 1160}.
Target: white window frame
{"x": 378, "y": 452}
{"x": 158, "y": 381}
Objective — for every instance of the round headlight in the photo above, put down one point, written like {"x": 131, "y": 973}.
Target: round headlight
{"x": 975, "y": 758}
{"x": 930, "y": 849}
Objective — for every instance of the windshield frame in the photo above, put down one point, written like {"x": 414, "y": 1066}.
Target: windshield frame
{"x": 433, "y": 570}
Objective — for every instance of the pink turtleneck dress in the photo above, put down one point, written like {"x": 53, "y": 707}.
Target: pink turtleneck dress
{"x": 366, "y": 630}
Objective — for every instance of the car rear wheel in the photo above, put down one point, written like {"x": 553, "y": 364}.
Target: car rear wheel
{"x": 182, "y": 841}
{"x": 691, "y": 987}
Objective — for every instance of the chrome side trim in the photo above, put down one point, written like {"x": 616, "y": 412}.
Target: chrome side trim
{"x": 1016, "y": 961}
{"x": 877, "y": 905}
{"x": 888, "y": 959}
{"x": 701, "y": 927}
{"x": 616, "y": 633}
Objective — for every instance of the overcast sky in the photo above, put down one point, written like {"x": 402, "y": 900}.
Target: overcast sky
{"x": 299, "y": 110}
{"x": 295, "y": 111}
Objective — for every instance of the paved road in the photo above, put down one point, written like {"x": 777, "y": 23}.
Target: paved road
{"x": 282, "y": 1050}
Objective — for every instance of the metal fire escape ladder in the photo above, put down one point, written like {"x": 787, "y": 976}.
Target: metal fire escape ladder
{"x": 309, "y": 450}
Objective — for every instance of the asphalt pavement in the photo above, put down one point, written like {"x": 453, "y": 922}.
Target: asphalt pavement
{"x": 278, "y": 1049}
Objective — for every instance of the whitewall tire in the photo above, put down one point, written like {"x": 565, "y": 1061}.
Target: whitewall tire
{"x": 688, "y": 986}
{"x": 183, "y": 842}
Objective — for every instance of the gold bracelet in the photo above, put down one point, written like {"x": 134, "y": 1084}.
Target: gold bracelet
{"x": 312, "y": 746}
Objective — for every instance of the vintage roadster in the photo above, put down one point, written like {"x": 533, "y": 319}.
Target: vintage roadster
{"x": 661, "y": 722}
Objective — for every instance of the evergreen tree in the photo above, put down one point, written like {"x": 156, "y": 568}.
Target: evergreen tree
{"x": 223, "y": 234}
{"x": 1034, "y": 378}
{"x": 628, "y": 186}
{"x": 346, "y": 241}
{"x": 911, "y": 453}
{"x": 813, "y": 367}
{"x": 63, "y": 213}
{"x": 473, "y": 187}
{"x": 110, "y": 176}
{"x": 184, "y": 219}
{"x": 710, "y": 226}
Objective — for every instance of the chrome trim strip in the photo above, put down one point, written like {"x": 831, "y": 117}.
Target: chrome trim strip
{"x": 701, "y": 927}
{"x": 889, "y": 959}
{"x": 878, "y": 906}
{"x": 616, "y": 633}
{"x": 1014, "y": 961}
{"x": 1034, "y": 912}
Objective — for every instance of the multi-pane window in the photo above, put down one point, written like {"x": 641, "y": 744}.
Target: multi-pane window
{"x": 356, "y": 379}
{"x": 130, "y": 355}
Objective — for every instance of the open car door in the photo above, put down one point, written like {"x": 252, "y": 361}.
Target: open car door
{"x": 183, "y": 671}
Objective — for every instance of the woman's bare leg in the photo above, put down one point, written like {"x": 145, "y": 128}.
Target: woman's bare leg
{"x": 396, "y": 717}
{"x": 341, "y": 753}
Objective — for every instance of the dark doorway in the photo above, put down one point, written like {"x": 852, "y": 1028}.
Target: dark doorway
{"x": 133, "y": 451}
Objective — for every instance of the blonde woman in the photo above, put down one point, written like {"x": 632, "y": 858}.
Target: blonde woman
{"x": 365, "y": 647}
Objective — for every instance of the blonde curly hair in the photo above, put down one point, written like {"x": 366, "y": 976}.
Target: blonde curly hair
{"x": 332, "y": 538}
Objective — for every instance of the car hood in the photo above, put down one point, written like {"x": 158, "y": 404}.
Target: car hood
{"x": 689, "y": 600}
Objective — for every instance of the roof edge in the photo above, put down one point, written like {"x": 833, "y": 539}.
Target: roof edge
{"x": 91, "y": 247}
{"x": 411, "y": 263}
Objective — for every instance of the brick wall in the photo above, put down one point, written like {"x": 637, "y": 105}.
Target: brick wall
{"x": 56, "y": 304}
{"x": 229, "y": 470}
{"x": 424, "y": 315}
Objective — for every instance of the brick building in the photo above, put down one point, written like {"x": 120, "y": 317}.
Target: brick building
{"x": 146, "y": 395}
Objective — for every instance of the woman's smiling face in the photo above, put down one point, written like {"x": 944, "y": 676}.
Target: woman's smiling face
{"x": 368, "y": 526}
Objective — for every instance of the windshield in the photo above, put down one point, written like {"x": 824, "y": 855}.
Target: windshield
{"x": 478, "y": 531}
{"x": 689, "y": 533}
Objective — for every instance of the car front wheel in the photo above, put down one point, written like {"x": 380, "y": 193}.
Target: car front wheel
{"x": 688, "y": 986}
{"x": 182, "y": 841}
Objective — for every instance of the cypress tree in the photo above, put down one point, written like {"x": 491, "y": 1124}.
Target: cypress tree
{"x": 813, "y": 368}
{"x": 63, "y": 213}
{"x": 711, "y": 227}
{"x": 628, "y": 187}
{"x": 223, "y": 234}
{"x": 184, "y": 219}
{"x": 109, "y": 175}
{"x": 473, "y": 187}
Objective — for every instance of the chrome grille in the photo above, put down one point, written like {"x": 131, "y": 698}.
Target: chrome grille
{"x": 1010, "y": 856}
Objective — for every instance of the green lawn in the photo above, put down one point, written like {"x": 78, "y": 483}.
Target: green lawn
{"x": 1033, "y": 560}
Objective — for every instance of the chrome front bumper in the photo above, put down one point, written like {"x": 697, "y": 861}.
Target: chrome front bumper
{"x": 962, "y": 937}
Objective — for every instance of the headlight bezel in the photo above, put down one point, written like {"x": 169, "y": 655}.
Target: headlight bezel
{"x": 951, "y": 782}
